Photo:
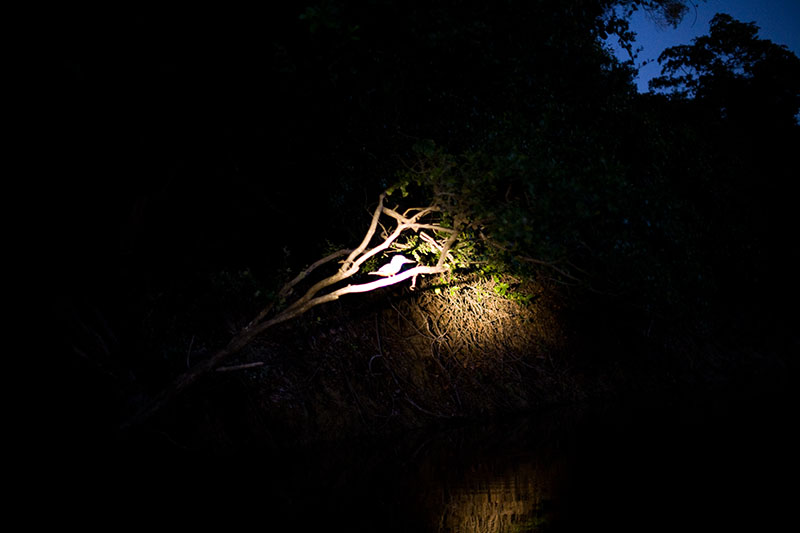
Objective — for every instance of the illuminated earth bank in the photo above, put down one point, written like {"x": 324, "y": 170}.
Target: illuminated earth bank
{"x": 403, "y": 359}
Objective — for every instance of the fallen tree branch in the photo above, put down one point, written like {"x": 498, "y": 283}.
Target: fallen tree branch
{"x": 313, "y": 296}
{"x": 240, "y": 367}
{"x": 286, "y": 290}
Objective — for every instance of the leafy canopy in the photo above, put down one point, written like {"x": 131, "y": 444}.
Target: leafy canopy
{"x": 731, "y": 68}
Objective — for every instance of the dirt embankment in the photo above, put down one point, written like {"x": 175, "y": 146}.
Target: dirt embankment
{"x": 396, "y": 360}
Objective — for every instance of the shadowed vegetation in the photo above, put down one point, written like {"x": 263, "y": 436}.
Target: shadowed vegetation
{"x": 582, "y": 241}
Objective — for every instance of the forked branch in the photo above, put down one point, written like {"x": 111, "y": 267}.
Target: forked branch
{"x": 315, "y": 295}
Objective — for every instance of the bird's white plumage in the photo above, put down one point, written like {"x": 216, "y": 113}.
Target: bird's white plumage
{"x": 392, "y": 267}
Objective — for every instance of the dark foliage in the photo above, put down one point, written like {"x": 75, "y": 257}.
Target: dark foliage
{"x": 194, "y": 160}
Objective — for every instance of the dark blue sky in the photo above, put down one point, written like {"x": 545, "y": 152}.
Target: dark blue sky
{"x": 778, "y": 20}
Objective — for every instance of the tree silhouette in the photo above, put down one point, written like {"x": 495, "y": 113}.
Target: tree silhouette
{"x": 731, "y": 69}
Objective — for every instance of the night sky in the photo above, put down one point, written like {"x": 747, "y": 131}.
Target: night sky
{"x": 778, "y": 20}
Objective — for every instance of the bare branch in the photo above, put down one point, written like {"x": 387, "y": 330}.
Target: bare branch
{"x": 392, "y": 280}
{"x": 353, "y": 268}
{"x": 287, "y": 289}
{"x": 311, "y": 299}
{"x": 410, "y": 209}
{"x": 409, "y": 220}
{"x": 430, "y": 240}
{"x": 447, "y": 245}
{"x": 370, "y": 232}
{"x": 297, "y": 310}
{"x": 240, "y": 367}
{"x": 436, "y": 227}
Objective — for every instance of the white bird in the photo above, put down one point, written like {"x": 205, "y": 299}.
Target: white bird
{"x": 393, "y": 267}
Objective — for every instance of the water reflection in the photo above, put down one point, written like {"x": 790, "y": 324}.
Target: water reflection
{"x": 517, "y": 498}
{"x": 496, "y": 478}
{"x": 684, "y": 467}
{"x": 502, "y": 478}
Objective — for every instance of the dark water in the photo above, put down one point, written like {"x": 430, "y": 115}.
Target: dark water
{"x": 709, "y": 462}
{"x": 696, "y": 463}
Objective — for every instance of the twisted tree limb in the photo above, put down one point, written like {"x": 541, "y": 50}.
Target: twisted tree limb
{"x": 314, "y": 295}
